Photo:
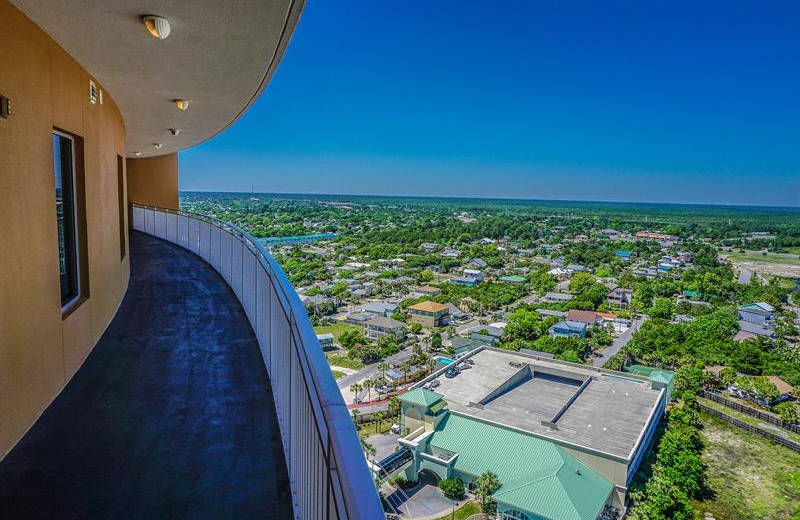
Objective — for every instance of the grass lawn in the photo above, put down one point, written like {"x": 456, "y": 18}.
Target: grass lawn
{"x": 367, "y": 429}
{"x": 749, "y": 419}
{"x": 337, "y": 329}
{"x": 750, "y": 477}
{"x": 464, "y": 512}
{"x": 346, "y": 362}
{"x": 771, "y": 258}
{"x": 336, "y": 373}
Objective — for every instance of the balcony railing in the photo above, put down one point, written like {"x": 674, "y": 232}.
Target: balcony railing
{"x": 327, "y": 468}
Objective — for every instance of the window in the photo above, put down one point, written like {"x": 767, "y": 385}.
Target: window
{"x": 513, "y": 514}
{"x": 66, "y": 216}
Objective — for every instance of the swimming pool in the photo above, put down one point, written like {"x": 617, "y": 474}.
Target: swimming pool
{"x": 445, "y": 360}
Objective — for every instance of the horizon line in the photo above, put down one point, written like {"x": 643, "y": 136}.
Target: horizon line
{"x": 497, "y": 199}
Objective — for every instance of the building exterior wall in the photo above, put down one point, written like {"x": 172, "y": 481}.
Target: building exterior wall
{"x": 153, "y": 181}
{"x": 39, "y": 349}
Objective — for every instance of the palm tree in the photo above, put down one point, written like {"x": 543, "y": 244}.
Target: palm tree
{"x": 487, "y": 484}
{"x": 355, "y": 388}
{"x": 383, "y": 367}
{"x": 431, "y": 364}
{"x": 369, "y": 450}
{"x": 405, "y": 367}
{"x": 367, "y": 384}
{"x": 356, "y": 413}
{"x": 378, "y": 416}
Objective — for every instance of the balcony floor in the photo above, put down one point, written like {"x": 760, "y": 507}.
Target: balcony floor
{"x": 171, "y": 415}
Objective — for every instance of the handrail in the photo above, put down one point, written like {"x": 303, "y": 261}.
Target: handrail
{"x": 350, "y": 490}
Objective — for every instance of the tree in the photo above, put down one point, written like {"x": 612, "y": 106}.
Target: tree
{"x": 378, "y": 417}
{"x": 356, "y": 413}
{"x": 416, "y": 328}
{"x": 662, "y": 308}
{"x": 383, "y": 367}
{"x": 787, "y": 412}
{"x": 405, "y": 368}
{"x": 436, "y": 340}
{"x": 581, "y": 283}
{"x": 452, "y": 488}
{"x": 486, "y": 485}
{"x": 356, "y": 388}
{"x": 394, "y": 406}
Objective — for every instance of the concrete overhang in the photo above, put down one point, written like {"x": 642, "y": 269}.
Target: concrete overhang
{"x": 219, "y": 56}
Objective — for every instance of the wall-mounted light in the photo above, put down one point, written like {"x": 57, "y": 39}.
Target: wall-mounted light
{"x": 157, "y": 145}
{"x": 157, "y": 26}
{"x": 182, "y": 104}
{"x": 174, "y": 131}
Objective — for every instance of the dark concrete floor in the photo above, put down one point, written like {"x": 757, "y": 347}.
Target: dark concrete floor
{"x": 171, "y": 415}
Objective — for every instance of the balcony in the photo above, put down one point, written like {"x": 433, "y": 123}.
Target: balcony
{"x": 208, "y": 396}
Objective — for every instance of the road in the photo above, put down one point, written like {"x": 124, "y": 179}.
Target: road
{"x": 619, "y": 342}
{"x": 745, "y": 275}
{"x": 370, "y": 371}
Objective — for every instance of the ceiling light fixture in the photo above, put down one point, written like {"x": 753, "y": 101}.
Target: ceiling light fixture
{"x": 174, "y": 131}
{"x": 157, "y": 26}
{"x": 157, "y": 145}
{"x": 137, "y": 154}
{"x": 182, "y": 104}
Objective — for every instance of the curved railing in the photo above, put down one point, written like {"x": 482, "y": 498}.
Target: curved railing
{"x": 327, "y": 468}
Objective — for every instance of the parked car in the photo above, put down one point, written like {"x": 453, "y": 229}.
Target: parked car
{"x": 451, "y": 373}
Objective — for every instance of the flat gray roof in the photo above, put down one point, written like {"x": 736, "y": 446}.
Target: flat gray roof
{"x": 609, "y": 412}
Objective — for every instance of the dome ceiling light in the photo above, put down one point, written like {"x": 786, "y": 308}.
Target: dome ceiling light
{"x": 182, "y": 104}
{"x": 157, "y": 26}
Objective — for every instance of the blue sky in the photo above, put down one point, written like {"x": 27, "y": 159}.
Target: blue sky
{"x": 629, "y": 101}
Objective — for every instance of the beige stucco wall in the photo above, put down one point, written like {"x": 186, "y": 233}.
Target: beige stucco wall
{"x": 153, "y": 181}
{"x": 40, "y": 351}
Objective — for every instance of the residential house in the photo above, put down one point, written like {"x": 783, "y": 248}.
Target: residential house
{"x": 463, "y": 280}
{"x": 325, "y": 340}
{"x": 428, "y": 246}
{"x": 760, "y": 313}
{"x": 748, "y": 329}
{"x": 380, "y": 326}
{"x": 554, "y": 297}
{"x": 455, "y": 313}
{"x": 474, "y": 274}
{"x": 381, "y": 308}
{"x": 566, "y": 328}
{"x": 547, "y": 313}
{"x": 620, "y": 297}
{"x": 513, "y": 279}
{"x": 451, "y": 253}
{"x": 428, "y": 313}
{"x": 624, "y": 255}
{"x": 590, "y": 318}
{"x": 427, "y": 290}
{"x": 479, "y": 263}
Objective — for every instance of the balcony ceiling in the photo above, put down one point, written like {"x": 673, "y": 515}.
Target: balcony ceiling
{"x": 220, "y": 56}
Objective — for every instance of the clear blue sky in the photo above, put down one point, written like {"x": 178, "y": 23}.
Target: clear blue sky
{"x": 631, "y": 101}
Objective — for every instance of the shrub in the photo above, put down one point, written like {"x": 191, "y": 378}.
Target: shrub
{"x": 452, "y": 488}
{"x": 787, "y": 412}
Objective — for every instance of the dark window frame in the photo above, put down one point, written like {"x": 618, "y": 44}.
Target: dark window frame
{"x": 74, "y": 285}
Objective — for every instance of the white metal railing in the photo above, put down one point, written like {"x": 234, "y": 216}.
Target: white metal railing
{"x": 327, "y": 468}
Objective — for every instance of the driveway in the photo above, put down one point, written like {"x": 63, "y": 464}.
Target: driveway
{"x": 619, "y": 342}
{"x": 384, "y": 444}
{"x": 421, "y": 502}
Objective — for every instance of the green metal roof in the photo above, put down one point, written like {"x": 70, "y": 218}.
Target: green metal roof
{"x": 513, "y": 278}
{"x": 438, "y": 406}
{"x": 535, "y": 475}
{"x": 421, "y": 396}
